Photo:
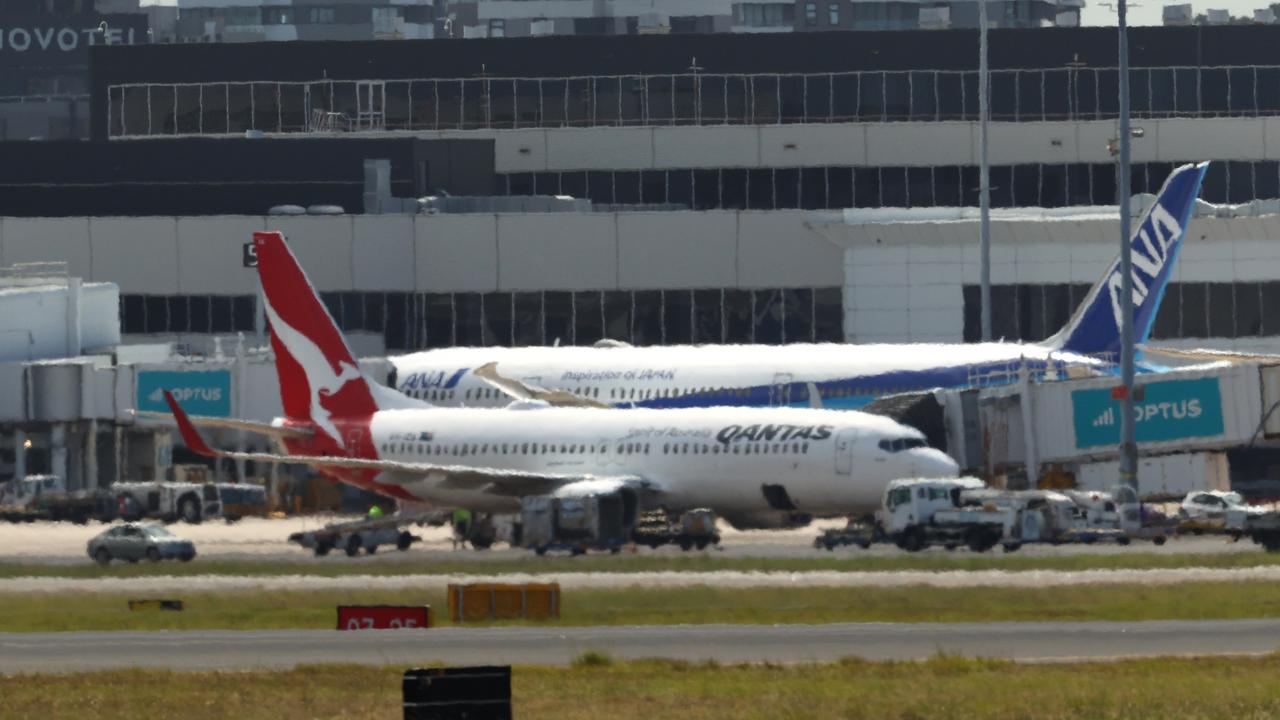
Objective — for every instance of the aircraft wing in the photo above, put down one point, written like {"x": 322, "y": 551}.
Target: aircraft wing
{"x": 518, "y": 484}
{"x": 521, "y": 390}
{"x": 497, "y": 481}
{"x": 229, "y": 424}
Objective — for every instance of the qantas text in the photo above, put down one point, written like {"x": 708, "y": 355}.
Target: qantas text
{"x": 734, "y": 433}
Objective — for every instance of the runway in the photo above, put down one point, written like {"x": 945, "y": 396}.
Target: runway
{"x": 210, "y": 650}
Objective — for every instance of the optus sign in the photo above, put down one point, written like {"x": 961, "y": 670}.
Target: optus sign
{"x": 1169, "y": 410}
{"x": 201, "y": 392}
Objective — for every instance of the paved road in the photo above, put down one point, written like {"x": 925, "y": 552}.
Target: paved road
{"x": 199, "y": 650}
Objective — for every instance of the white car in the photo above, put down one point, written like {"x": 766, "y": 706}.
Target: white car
{"x": 1209, "y": 509}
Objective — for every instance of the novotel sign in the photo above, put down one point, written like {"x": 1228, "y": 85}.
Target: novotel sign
{"x": 31, "y": 39}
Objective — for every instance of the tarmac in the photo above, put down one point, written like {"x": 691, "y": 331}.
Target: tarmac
{"x": 1027, "y": 642}
{"x": 262, "y": 539}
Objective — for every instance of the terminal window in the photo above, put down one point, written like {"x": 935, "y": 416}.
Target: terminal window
{"x": 414, "y": 321}
{"x": 1033, "y": 312}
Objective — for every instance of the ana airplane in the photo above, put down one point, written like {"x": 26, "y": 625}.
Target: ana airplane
{"x": 760, "y": 467}
{"x": 830, "y": 375}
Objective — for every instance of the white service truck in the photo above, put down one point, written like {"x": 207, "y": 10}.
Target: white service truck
{"x": 46, "y": 497}
{"x": 954, "y": 512}
{"x": 917, "y": 514}
{"x": 169, "y": 501}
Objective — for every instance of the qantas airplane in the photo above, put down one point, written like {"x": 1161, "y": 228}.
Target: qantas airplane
{"x": 757, "y": 467}
{"x": 826, "y": 375}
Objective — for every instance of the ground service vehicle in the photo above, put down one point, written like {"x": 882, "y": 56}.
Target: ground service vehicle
{"x": 352, "y": 537}
{"x": 1048, "y": 516}
{"x": 191, "y": 502}
{"x": 577, "y": 524}
{"x": 1208, "y": 510}
{"x": 133, "y": 542}
{"x": 242, "y": 500}
{"x": 1259, "y": 525}
{"x": 856, "y": 532}
{"x": 691, "y": 529}
{"x": 920, "y": 513}
{"x": 45, "y": 497}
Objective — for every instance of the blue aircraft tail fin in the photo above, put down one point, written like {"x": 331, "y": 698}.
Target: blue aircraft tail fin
{"x": 1095, "y": 327}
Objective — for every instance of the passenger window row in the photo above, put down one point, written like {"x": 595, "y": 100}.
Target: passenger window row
{"x": 468, "y": 449}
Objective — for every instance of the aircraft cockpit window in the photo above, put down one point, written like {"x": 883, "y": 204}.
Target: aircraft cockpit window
{"x": 900, "y": 444}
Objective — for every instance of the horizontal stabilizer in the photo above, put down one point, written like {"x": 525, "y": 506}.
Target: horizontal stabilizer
{"x": 521, "y": 390}
{"x": 230, "y": 424}
{"x": 1208, "y": 355}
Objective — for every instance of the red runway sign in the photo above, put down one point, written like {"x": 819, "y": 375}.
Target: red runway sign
{"x": 383, "y": 617}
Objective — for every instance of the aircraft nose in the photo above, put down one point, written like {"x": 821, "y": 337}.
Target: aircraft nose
{"x": 929, "y": 463}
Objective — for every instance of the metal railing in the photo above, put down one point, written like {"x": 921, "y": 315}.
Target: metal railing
{"x": 1048, "y": 94}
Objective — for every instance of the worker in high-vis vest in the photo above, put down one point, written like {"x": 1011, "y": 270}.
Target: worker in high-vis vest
{"x": 461, "y": 526}
{"x": 375, "y": 512}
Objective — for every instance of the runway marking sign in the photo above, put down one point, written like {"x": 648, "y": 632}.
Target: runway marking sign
{"x": 383, "y": 617}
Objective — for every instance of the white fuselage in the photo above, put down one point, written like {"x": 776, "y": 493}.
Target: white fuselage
{"x": 847, "y": 376}
{"x": 730, "y": 459}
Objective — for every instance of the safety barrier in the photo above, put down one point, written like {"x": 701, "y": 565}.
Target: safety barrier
{"x": 155, "y": 605}
{"x": 384, "y": 617}
{"x": 496, "y": 601}
{"x": 480, "y": 693}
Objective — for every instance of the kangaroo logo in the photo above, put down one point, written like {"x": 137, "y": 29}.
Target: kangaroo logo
{"x": 322, "y": 381}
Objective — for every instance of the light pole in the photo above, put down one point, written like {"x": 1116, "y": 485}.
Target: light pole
{"x": 1128, "y": 439}
{"x": 984, "y": 171}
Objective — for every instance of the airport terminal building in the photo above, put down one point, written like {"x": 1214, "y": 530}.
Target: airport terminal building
{"x": 724, "y": 188}
{"x": 713, "y": 190}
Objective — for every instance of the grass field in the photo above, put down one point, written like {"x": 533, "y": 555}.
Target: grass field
{"x": 32, "y": 612}
{"x": 943, "y": 687}
{"x": 700, "y": 562}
